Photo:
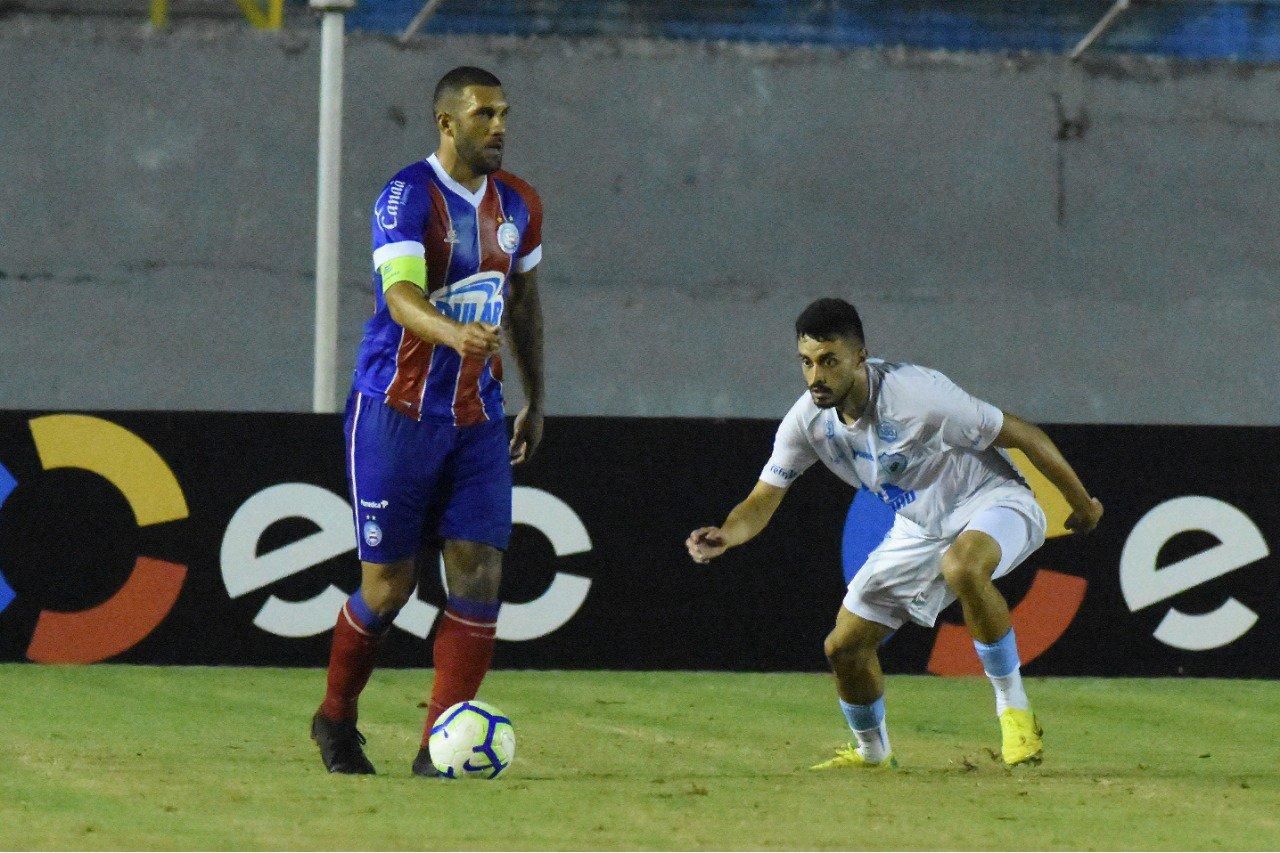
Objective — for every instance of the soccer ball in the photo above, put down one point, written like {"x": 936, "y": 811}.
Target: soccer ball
{"x": 472, "y": 739}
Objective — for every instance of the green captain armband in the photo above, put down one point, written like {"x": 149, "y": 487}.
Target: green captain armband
{"x": 404, "y": 268}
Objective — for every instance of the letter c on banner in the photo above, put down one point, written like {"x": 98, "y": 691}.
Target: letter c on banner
{"x": 551, "y": 610}
{"x": 147, "y": 483}
{"x": 556, "y": 520}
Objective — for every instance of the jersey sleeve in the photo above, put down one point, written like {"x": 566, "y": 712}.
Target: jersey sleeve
{"x": 529, "y": 255}
{"x": 398, "y": 222}
{"x": 963, "y": 421}
{"x": 792, "y": 453}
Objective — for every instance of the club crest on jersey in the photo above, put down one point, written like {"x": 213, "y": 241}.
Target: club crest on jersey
{"x": 893, "y": 465}
{"x": 887, "y": 431}
{"x": 475, "y": 298}
{"x": 508, "y": 237}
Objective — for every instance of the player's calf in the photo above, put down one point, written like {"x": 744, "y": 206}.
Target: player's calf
{"x": 466, "y": 632}
{"x": 851, "y": 649}
{"x": 356, "y": 638}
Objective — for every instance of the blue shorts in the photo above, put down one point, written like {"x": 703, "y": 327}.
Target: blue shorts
{"x": 413, "y": 481}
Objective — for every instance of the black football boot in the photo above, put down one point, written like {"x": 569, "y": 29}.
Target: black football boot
{"x": 340, "y": 745}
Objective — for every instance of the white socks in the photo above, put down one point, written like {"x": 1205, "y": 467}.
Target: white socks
{"x": 869, "y": 729}
{"x": 1002, "y": 657}
{"x": 1009, "y": 692}
{"x": 873, "y": 744}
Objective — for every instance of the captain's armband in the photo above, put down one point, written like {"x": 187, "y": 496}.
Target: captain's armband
{"x": 409, "y": 268}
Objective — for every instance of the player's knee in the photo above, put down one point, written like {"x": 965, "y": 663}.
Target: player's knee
{"x": 386, "y": 598}
{"x": 847, "y": 651}
{"x": 386, "y": 588}
{"x": 396, "y": 597}
{"x": 964, "y": 571}
{"x": 476, "y": 582}
{"x": 473, "y": 570}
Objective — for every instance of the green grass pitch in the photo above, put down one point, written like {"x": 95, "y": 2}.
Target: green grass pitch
{"x": 110, "y": 757}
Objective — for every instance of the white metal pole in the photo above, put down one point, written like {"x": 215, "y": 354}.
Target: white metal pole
{"x": 328, "y": 192}
{"x": 1098, "y": 29}
{"x": 419, "y": 20}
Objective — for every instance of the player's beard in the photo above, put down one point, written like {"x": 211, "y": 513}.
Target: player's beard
{"x": 828, "y": 402}
{"x": 482, "y": 160}
{"x": 833, "y": 400}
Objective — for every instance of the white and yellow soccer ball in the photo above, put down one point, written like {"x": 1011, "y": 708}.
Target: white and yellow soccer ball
{"x": 472, "y": 739}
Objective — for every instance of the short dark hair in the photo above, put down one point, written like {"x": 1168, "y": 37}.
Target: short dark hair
{"x": 459, "y": 78}
{"x": 829, "y": 318}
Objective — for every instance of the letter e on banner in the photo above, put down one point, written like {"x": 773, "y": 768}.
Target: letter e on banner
{"x": 1144, "y": 584}
{"x": 244, "y": 570}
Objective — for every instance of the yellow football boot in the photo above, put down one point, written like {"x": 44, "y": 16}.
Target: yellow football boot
{"x": 1020, "y": 738}
{"x": 847, "y": 756}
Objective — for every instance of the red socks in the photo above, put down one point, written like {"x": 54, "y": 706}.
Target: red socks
{"x": 462, "y": 653}
{"x": 355, "y": 646}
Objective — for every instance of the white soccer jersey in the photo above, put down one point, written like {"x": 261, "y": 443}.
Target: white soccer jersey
{"x": 923, "y": 445}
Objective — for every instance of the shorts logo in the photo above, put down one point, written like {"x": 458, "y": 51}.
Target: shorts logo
{"x": 373, "y": 504}
{"x": 784, "y": 473}
{"x": 888, "y": 431}
{"x": 508, "y": 237}
{"x": 372, "y": 534}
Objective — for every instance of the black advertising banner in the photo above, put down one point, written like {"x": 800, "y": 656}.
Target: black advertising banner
{"x": 222, "y": 538}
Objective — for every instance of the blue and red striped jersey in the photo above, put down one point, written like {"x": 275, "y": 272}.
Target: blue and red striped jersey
{"x": 472, "y": 242}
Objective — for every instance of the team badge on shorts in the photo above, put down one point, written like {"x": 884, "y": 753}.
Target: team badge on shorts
{"x": 508, "y": 237}
{"x": 372, "y": 534}
{"x": 887, "y": 431}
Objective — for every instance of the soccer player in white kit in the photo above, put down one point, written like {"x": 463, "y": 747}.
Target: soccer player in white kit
{"x": 964, "y": 516}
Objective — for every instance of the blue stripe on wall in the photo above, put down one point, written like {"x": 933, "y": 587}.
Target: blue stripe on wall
{"x": 1193, "y": 30}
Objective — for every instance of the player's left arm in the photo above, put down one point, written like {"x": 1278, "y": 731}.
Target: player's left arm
{"x": 1086, "y": 511}
{"x": 526, "y": 344}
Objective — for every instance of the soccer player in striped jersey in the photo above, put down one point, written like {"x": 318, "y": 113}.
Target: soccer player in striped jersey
{"x": 456, "y": 248}
{"x": 964, "y": 516}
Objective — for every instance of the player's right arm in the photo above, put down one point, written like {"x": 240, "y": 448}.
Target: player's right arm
{"x": 792, "y": 455}
{"x": 409, "y": 307}
{"x": 400, "y": 257}
{"x": 743, "y": 524}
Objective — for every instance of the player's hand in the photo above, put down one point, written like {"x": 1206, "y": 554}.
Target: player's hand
{"x": 1084, "y": 521}
{"x": 476, "y": 340}
{"x": 526, "y": 435}
{"x": 705, "y": 544}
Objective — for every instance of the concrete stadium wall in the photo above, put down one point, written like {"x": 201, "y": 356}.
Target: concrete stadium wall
{"x": 157, "y": 218}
